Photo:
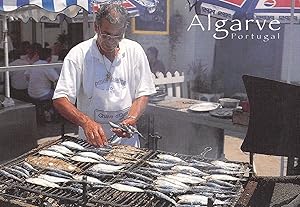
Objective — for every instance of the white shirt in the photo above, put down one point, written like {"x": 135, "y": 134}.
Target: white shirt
{"x": 17, "y": 78}
{"x": 83, "y": 77}
{"x": 40, "y": 80}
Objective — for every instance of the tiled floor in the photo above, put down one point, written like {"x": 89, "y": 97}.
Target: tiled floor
{"x": 264, "y": 165}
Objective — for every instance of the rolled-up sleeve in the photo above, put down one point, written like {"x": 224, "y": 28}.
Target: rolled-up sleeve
{"x": 69, "y": 81}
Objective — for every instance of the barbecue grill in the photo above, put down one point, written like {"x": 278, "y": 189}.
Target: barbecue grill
{"x": 15, "y": 193}
{"x": 273, "y": 130}
{"x": 271, "y": 191}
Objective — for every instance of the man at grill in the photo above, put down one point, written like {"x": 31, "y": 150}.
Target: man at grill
{"x": 108, "y": 77}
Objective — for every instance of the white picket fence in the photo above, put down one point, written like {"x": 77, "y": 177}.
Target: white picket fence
{"x": 177, "y": 85}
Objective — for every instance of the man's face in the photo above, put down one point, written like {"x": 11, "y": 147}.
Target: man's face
{"x": 109, "y": 35}
{"x": 30, "y": 53}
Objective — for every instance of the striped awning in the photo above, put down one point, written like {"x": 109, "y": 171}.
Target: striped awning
{"x": 36, "y": 9}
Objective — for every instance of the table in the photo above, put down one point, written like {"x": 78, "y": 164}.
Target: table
{"x": 183, "y": 131}
{"x": 17, "y": 130}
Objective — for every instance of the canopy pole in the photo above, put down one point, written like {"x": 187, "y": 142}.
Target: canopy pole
{"x": 43, "y": 33}
{"x": 61, "y": 20}
{"x": 5, "y": 46}
{"x": 85, "y": 25}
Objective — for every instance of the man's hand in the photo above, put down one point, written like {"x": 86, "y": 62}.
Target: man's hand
{"x": 94, "y": 133}
{"x": 129, "y": 121}
{"x": 137, "y": 108}
{"x": 119, "y": 132}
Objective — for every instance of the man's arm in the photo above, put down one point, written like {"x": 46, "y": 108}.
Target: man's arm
{"x": 93, "y": 131}
{"x": 136, "y": 110}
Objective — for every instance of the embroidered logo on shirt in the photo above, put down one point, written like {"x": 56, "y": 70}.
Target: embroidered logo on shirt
{"x": 104, "y": 117}
{"x": 104, "y": 84}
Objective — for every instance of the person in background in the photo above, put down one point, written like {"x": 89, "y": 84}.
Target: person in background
{"x": 15, "y": 39}
{"x": 18, "y": 81}
{"x": 62, "y": 55}
{"x": 155, "y": 64}
{"x": 60, "y": 59}
{"x": 25, "y": 50}
{"x": 41, "y": 80}
{"x": 46, "y": 45}
{"x": 109, "y": 77}
{"x": 56, "y": 50}
{"x": 57, "y": 54}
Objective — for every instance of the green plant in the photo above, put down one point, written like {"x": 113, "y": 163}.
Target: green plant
{"x": 63, "y": 39}
{"x": 201, "y": 83}
{"x": 217, "y": 81}
{"x": 204, "y": 81}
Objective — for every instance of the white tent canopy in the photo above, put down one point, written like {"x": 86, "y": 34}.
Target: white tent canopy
{"x": 27, "y": 12}
{"x": 36, "y": 9}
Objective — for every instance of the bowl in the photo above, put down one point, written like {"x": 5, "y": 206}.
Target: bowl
{"x": 157, "y": 97}
{"x": 229, "y": 102}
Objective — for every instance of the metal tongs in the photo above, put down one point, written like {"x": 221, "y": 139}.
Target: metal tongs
{"x": 131, "y": 130}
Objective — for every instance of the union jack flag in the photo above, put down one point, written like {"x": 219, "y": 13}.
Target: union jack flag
{"x": 132, "y": 8}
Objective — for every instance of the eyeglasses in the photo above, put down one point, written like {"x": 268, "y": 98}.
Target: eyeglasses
{"x": 111, "y": 37}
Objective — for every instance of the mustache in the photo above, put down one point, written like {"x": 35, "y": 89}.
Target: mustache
{"x": 109, "y": 48}
{"x": 109, "y": 44}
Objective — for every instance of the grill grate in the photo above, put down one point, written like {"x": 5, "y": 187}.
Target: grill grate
{"x": 27, "y": 193}
{"x": 123, "y": 199}
{"x": 147, "y": 199}
{"x": 190, "y": 158}
{"x": 35, "y": 195}
{"x": 270, "y": 191}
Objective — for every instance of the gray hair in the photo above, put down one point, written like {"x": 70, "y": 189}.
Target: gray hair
{"x": 114, "y": 13}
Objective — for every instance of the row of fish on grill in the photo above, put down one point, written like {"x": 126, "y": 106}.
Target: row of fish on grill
{"x": 59, "y": 164}
{"x": 189, "y": 182}
{"x": 182, "y": 182}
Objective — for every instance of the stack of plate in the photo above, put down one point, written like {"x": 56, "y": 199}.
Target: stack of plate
{"x": 225, "y": 113}
{"x": 214, "y": 109}
{"x": 159, "y": 95}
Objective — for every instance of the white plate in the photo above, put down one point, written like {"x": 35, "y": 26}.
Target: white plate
{"x": 204, "y": 106}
